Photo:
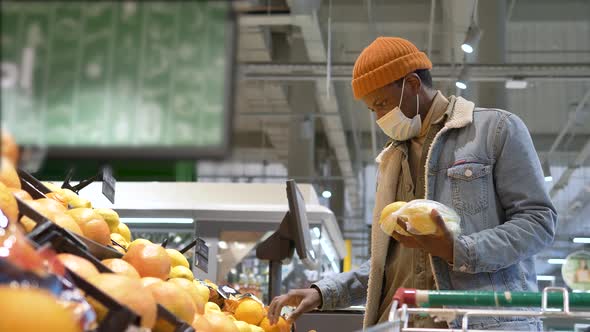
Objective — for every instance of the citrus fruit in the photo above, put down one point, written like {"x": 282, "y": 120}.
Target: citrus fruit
{"x": 180, "y": 271}
{"x": 111, "y": 217}
{"x": 124, "y": 231}
{"x": 21, "y": 194}
{"x": 8, "y": 174}
{"x": 177, "y": 258}
{"x": 129, "y": 292}
{"x": 34, "y": 309}
{"x": 121, "y": 267}
{"x": 78, "y": 265}
{"x": 189, "y": 288}
{"x": 8, "y": 204}
{"x": 250, "y": 311}
{"x": 150, "y": 260}
{"x": 173, "y": 298}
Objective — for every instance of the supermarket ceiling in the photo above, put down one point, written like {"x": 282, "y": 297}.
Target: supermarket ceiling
{"x": 286, "y": 44}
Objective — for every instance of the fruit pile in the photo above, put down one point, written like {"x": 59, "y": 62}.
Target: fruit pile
{"x": 146, "y": 275}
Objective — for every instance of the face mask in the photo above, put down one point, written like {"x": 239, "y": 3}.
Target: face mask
{"x": 399, "y": 127}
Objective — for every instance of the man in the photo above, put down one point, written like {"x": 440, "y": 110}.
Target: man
{"x": 479, "y": 161}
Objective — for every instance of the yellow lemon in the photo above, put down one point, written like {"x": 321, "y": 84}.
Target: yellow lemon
{"x": 250, "y": 311}
{"x": 124, "y": 231}
{"x": 177, "y": 258}
{"x": 180, "y": 271}
{"x": 211, "y": 307}
{"x": 111, "y": 217}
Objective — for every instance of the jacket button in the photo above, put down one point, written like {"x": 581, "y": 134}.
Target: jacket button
{"x": 468, "y": 173}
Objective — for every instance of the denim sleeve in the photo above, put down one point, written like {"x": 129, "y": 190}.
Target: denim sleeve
{"x": 344, "y": 289}
{"x": 531, "y": 218}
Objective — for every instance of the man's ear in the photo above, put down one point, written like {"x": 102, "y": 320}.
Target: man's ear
{"x": 413, "y": 83}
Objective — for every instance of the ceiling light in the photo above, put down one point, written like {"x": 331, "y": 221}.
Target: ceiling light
{"x": 156, "y": 220}
{"x": 556, "y": 261}
{"x": 471, "y": 38}
{"x": 222, "y": 245}
{"x": 516, "y": 84}
{"x": 545, "y": 278}
{"x": 461, "y": 82}
{"x": 546, "y": 170}
{"x": 581, "y": 240}
{"x": 326, "y": 194}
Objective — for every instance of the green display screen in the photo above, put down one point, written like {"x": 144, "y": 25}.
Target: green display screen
{"x": 136, "y": 79}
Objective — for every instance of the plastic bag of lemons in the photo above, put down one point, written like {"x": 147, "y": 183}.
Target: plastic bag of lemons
{"x": 416, "y": 214}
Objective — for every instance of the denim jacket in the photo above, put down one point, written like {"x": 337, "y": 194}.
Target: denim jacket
{"x": 484, "y": 165}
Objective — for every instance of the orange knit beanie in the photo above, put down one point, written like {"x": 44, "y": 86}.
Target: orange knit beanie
{"x": 386, "y": 60}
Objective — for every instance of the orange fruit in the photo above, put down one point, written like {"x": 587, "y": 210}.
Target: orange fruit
{"x": 8, "y": 174}
{"x": 146, "y": 281}
{"x": 150, "y": 260}
{"x": 8, "y": 204}
{"x": 78, "y": 265}
{"x": 219, "y": 322}
{"x": 9, "y": 147}
{"x": 173, "y": 298}
{"x": 52, "y": 205}
{"x": 58, "y": 197}
{"x": 129, "y": 292}
{"x": 92, "y": 225}
{"x": 33, "y": 309}
{"x": 281, "y": 326}
{"x": 120, "y": 266}
{"x": 189, "y": 288}
{"x": 97, "y": 230}
{"x": 250, "y": 311}
{"x": 200, "y": 323}
{"x": 21, "y": 194}
{"x": 65, "y": 221}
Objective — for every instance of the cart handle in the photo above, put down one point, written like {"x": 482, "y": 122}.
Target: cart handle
{"x": 552, "y": 297}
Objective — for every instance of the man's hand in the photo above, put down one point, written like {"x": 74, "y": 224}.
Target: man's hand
{"x": 438, "y": 244}
{"x": 304, "y": 300}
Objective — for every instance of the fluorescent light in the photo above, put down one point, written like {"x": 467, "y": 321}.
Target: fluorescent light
{"x": 548, "y": 178}
{"x": 461, "y": 82}
{"x": 461, "y": 85}
{"x": 545, "y": 278}
{"x": 326, "y": 194}
{"x": 581, "y": 240}
{"x": 556, "y": 261}
{"x": 471, "y": 38}
{"x": 157, "y": 220}
{"x": 516, "y": 84}
{"x": 467, "y": 48}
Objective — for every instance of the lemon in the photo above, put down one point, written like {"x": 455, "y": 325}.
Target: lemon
{"x": 202, "y": 290}
{"x": 211, "y": 307}
{"x": 111, "y": 217}
{"x": 177, "y": 258}
{"x": 124, "y": 231}
{"x": 387, "y": 222}
{"x": 250, "y": 311}
{"x": 119, "y": 239}
{"x": 180, "y": 271}
{"x": 243, "y": 326}
{"x": 138, "y": 241}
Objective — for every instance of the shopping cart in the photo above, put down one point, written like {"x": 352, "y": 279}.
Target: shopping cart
{"x": 554, "y": 302}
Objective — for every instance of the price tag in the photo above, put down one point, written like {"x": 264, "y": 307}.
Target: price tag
{"x": 108, "y": 183}
{"x": 202, "y": 255}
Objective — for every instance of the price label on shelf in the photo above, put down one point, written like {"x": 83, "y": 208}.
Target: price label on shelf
{"x": 202, "y": 255}
{"x": 108, "y": 183}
